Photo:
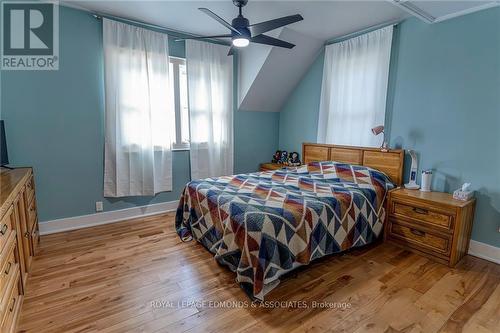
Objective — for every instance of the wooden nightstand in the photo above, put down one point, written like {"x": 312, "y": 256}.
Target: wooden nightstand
{"x": 271, "y": 166}
{"x": 430, "y": 223}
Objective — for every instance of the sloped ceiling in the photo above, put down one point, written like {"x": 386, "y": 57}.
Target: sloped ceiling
{"x": 250, "y": 63}
{"x": 269, "y": 91}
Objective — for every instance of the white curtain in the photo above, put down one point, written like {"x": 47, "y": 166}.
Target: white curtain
{"x": 354, "y": 90}
{"x": 139, "y": 116}
{"x": 210, "y": 90}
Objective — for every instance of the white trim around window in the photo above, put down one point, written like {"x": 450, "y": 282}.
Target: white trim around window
{"x": 178, "y": 67}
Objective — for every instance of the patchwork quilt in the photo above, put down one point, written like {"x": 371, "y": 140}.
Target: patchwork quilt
{"x": 262, "y": 225}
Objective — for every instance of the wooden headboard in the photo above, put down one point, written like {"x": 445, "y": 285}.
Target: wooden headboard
{"x": 390, "y": 162}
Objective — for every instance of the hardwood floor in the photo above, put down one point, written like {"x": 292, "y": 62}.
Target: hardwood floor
{"x": 105, "y": 279}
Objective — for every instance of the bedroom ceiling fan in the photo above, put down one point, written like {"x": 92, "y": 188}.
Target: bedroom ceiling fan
{"x": 242, "y": 32}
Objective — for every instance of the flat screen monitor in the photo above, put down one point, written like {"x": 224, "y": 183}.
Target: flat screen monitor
{"x": 4, "y": 157}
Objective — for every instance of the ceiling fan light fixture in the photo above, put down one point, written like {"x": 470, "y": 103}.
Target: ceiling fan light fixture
{"x": 242, "y": 32}
{"x": 241, "y": 41}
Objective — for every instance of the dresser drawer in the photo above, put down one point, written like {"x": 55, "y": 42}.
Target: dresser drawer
{"x": 432, "y": 217}
{"x": 6, "y": 227}
{"x": 420, "y": 238}
{"x": 11, "y": 310}
{"x": 8, "y": 265}
{"x": 35, "y": 238}
{"x": 31, "y": 213}
{"x": 30, "y": 189}
{"x": 12, "y": 287}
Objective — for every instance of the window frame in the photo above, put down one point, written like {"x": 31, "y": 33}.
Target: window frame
{"x": 178, "y": 145}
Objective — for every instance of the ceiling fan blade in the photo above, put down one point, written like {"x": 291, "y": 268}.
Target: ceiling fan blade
{"x": 219, "y": 19}
{"x": 231, "y": 51}
{"x": 204, "y": 37}
{"x": 263, "y": 39}
{"x": 260, "y": 28}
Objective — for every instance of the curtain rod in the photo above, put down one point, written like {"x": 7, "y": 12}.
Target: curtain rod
{"x": 99, "y": 16}
{"x": 171, "y": 32}
{"x": 363, "y": 31}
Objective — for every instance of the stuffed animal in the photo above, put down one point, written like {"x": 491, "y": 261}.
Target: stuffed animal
{"x": 277, "y": 156}
{"x": 294, "y": 160}
{"x": 284, "y": 157}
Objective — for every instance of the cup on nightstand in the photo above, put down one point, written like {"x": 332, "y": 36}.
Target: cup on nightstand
{"x": 426, "y": 180}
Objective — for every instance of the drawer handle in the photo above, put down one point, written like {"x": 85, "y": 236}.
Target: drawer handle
{"x": 7, "y": 270}
{"x": 417, "y": 232}
{"x": 13, "y": 303}
{"x": 420, "y": 211}
{"x": 4, "y": 229}
{"x": 26, "y": 234}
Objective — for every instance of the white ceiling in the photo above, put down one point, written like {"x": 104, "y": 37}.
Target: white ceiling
{"x": 441, "y": 8}
{"x": 265, "y": 84}
{"x": 322, "y": 19}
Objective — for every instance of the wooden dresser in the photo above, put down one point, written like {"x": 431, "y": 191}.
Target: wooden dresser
{"x": 430, "y": 223}
{"x": 19, "y": 239}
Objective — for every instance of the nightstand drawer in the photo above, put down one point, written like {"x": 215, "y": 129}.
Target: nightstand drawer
{"x": 271, "y": 166}
{"x": 432, "y": 224}
{"x": 423, "y": 213}
{"x": 420, "y": 238}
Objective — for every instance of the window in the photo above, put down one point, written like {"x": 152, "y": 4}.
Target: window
{"x": 354, "y": 89}
{"x": 178, "y": 84}
{"x": 140, "y": 91}
{"x": 139, "y": 113}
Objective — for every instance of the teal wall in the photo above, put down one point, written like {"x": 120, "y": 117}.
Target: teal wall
{"x": 447, "y": 107}
{"x": 299, "y": 116}
{"x": 443, "y": 101}
{"x": 255, "y": 139}
{"x": 55, "y": 123}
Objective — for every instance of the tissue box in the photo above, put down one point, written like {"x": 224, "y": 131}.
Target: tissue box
{"x": 463, "y": 195}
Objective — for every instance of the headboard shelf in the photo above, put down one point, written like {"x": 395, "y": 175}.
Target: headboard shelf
{"x": 390, "y": 162}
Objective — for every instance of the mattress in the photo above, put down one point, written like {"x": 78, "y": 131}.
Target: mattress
{"x": 263, "y": 225}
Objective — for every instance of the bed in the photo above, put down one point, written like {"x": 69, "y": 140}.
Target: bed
{"x": 263, "y": 225}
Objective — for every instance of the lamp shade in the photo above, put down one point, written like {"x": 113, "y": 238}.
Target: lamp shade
{"x": 378, "y": 129}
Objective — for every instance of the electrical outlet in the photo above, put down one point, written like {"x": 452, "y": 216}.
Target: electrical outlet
{"x": 98, "y": 206}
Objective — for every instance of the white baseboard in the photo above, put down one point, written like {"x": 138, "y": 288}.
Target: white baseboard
{"x": 85, "y": 221}
{"x": 484, "y": 251}
{"x": 477, "y": 249}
